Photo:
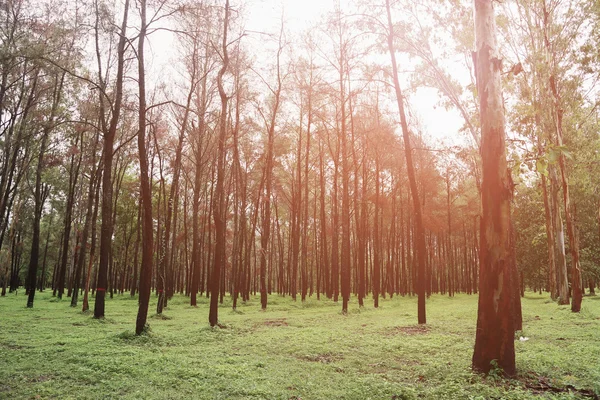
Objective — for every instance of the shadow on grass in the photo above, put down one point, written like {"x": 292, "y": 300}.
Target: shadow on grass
{"x": 162, "y": 317}
{"x": 534, "y": 298}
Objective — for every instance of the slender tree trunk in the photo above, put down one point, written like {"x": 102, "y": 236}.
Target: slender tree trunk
{"x": 305, "y": 217}
{"x": 42, "y": 280}
{"x": 106, "y": 229}
{"x": 419, "y": 232}
{"x": 240, "y": 204}
{"x": 558, "y": 125}
{"x": 550, "y": 241}
{"x": 266, "y": 217}
{"x": 324, "y": 260}
{"x": 376, "y": 247}
{"x": 561, "y": 261}
{"x": 39, "y": 206}
{"x": 219, "y": 212}
{"x": 145, "y": 189}
{"x": 92, "y": 259}
{"x": 86, "y": 225}
{"x": 346, "y": 258}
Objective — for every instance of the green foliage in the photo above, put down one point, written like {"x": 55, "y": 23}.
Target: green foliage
{"x": 291, "y": 351}
{"x": 530, "y": 234}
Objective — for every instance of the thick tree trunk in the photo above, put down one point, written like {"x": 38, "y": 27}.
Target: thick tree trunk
{"x": 494, "y": 341}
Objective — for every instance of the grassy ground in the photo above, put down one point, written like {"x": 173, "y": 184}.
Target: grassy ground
{"x": 292, "y": 351}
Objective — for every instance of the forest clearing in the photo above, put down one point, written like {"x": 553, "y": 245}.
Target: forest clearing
{"x": 294, "y": 350}
{"x": 313, "y": 199}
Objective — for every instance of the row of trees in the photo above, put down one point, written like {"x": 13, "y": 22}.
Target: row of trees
{"x": 300, "y": 169}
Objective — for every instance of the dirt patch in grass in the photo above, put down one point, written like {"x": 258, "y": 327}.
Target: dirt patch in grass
{"x": 539, "y": 385}
{"x": 275, "y": 322}
{"x": 325, "y": 358}
{"x": 161, "y": 317}
{"x": 12, "y": 346}
{"x": 407, "y": 330}
{"x": 40, "y": 379}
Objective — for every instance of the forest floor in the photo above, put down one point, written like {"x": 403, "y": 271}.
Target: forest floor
{"x": 293, "y": 350}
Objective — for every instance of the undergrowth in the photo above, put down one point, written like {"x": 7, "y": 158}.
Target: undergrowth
{"x": 293, "y": 350}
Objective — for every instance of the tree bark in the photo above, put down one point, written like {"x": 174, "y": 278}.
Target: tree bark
{"x": 145, "y": 189}
{"x": 219, "y": 212}
{"x": 39, "y": 206}
{"x": 419, "y": 233}
{"x": 494, "y": 340}
{"x": 106, "y": 229}
{"x": 88, "y": 221}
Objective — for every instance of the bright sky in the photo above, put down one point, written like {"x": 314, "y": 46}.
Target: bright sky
{"x": 265, "y": 16}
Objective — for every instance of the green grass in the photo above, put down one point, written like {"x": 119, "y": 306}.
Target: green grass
{"x": 294, "y": 350}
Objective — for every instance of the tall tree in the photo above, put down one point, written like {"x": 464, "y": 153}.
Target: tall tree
{"x": 558, "y": 125}
{"x": 145, "y": 190}
{"x": 494, "y": 341}
{"x": 106, "y": 229}
{"x": 219, "y": 210}
{"x": 420, "y": 249}
{"x": 39, "y": 195}
{"x": 268, "y": 174}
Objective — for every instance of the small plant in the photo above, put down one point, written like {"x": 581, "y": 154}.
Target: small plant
{"x": 496, "y": 373}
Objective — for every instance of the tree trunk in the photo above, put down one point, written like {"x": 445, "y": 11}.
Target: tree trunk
{"x": 561, "y": 261}
{"x": 85, "y": 305}
{"x": 106, "y": 229}
{"x": 88, "y": 221}
{"x": 39, "y": 207}
{"x": 558, "y": 125}
{"x": 219, "y": 212}
{"x": 494, "y": 340}
{"x": 550, "y": 241}
{"x": 419, "y": 233}
{"x": 145, "y": 189}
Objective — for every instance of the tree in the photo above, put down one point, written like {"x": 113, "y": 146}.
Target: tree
{"x": 420, "y": 235}
{"x": 109, "y": 131}
{"x": 145, "y": 190}
{"x": 494, "y": 341}
{"x": 268, "y": 174}
{"x": 219, "y": 208}
{"x": 39, "y": 196}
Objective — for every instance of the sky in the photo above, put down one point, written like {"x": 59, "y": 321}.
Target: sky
{"x": 299, "y": 15}
{"x": 439, "y": 124}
